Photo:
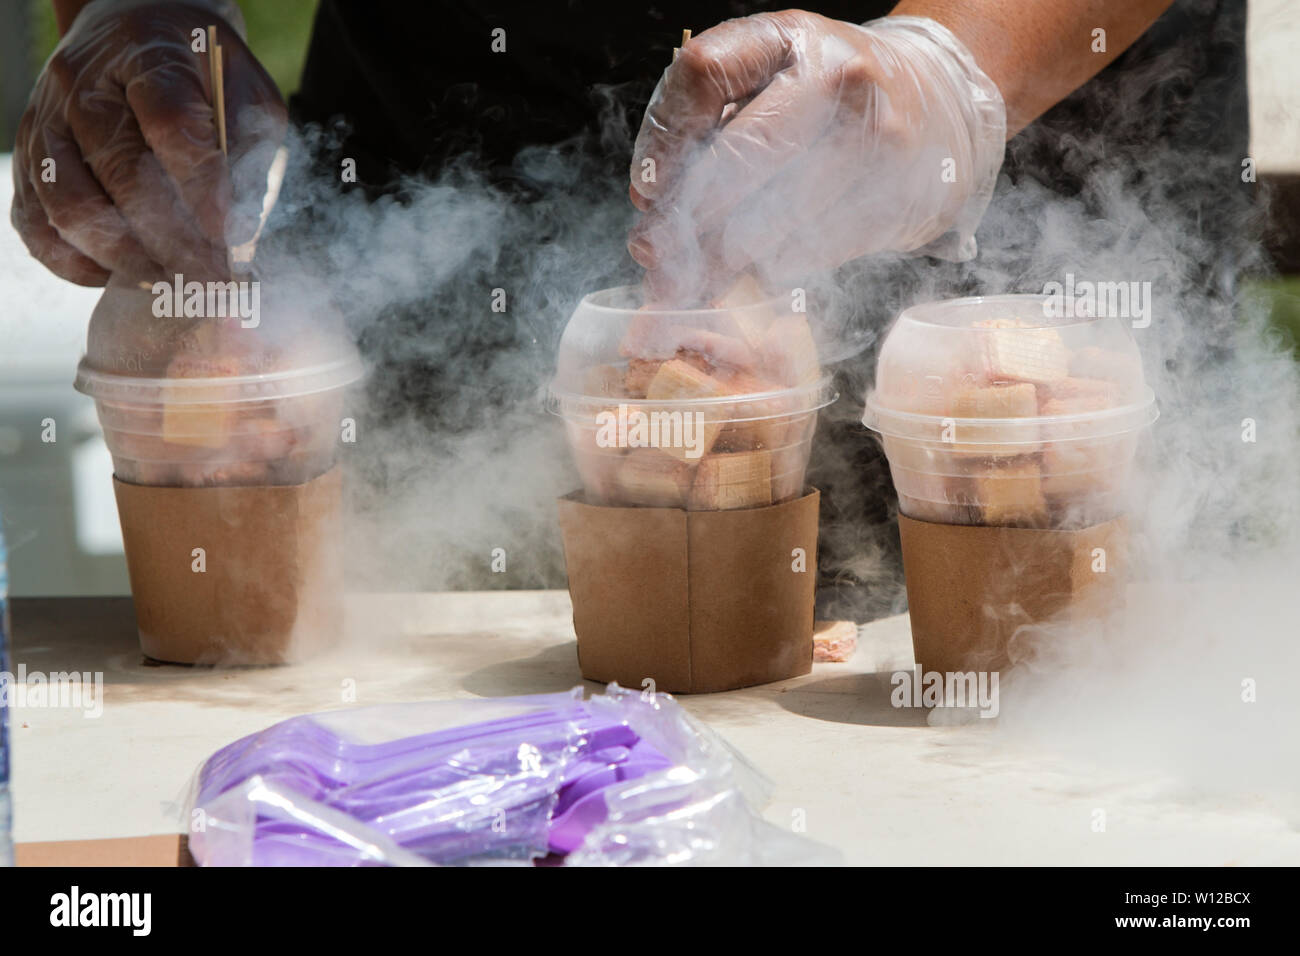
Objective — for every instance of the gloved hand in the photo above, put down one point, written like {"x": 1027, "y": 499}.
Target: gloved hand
{"x": 795, "y": 143}
{"x": 140, "y": 187}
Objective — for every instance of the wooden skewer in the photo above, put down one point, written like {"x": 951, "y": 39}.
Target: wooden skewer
{"x": 686, "y": 35}
{"x": 218, "y": 85}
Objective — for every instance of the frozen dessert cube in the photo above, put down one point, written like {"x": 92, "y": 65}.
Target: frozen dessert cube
{"x": 1024, "y": 355}
{"x": 1011, "y": 493}
{"x": 1086, "y": 466}
{"x": 647, "y": 477}
{"x": 1074, "y": 396}
{"x": 730, "y": 480}
{"x": 834, "y": 640}
{"x": 762, "y": 423}
{"x": 1018, "y": 400}
{"x": 196, "y": 422}
{"x": 205, "y": 426}
{"x": 677, "y": 379}
{"x": 640, "y": 373}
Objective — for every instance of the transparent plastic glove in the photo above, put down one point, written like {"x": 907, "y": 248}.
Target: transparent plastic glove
{"x": 139, "y": 185}
{"x": 795, "y": 143}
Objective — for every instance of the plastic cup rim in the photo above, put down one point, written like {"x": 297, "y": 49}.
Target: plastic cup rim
{"x": 109, "y": 386}
{"x": 874, "y": 413}
{"x": 824, "y": 392}
{"x": 588, "y": 302}
{"x": 909, "y": 312}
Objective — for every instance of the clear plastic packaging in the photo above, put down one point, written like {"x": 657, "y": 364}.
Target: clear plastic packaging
{"x": 620, "y": 778}
{"x": 993, "y": 411}
{"x": 703, "y": 409}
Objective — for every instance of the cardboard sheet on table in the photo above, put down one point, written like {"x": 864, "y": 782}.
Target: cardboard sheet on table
{"x": 697, "y": 601}
{"x": 165, "y": 850}
{"x": 273, "y": 573}
{"x": 969, "y": 588}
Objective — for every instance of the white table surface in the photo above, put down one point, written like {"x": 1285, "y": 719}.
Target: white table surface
{"x": 874, "y": 781}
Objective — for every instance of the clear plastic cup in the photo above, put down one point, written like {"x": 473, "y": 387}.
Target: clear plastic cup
{"x": 216, "y": 401}
{"x": 703, "y": 409}
{"x": 993, "y": 411}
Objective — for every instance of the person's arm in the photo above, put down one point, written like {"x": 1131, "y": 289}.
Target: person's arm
{"x": 790, "y": 143}
{"x": 1039, "y": 52}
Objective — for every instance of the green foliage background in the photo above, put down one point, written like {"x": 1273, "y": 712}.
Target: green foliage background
{"x": 278, "y": 31}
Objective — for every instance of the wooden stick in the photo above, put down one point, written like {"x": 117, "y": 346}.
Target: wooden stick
{"x": 686, "y": 35}
{"x": 218, "y": 85}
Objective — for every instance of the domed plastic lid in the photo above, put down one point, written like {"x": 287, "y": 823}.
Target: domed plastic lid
{"x": 1004, "y": 370}
{"x": 214, "y": 343}
{"x": 748, "y": 357}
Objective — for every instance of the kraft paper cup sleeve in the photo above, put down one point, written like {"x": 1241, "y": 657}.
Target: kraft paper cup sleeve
{"x": 970, "y": 588}
{"x": 272, "y": 579}
{"x": 695, "y": 601}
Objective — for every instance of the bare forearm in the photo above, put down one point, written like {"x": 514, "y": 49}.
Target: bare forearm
{"x": 1039, "y": 52}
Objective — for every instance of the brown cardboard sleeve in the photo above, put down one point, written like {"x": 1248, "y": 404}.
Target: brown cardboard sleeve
{"x": 271, "y": 586}
{"x": 969, "y": 587}
{"x": 165, "y": 850}
{"x": 697, "y": 601}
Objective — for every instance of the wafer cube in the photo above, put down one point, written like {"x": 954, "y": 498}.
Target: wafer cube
{"x": 640, "y": 373}
{"x": 834, "y": 640}
{"x": 1086, "y": 466}
{"x": 1074, "y": 396}
{"x": 677, "y": 379}
{"x": 649, "y": 478}
{"x": 1024, "y": 355}
{"x": 205, "y": 426}
{"x": 197, "y": 423}
{"x": 732, "y": 480}
{"x": 1019, "y": 400}
{"x": 762, "y": 422}
{"x": 1011, "y": 493}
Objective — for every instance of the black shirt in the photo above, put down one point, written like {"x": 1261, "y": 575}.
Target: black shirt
{"x": 419, "y": 83}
